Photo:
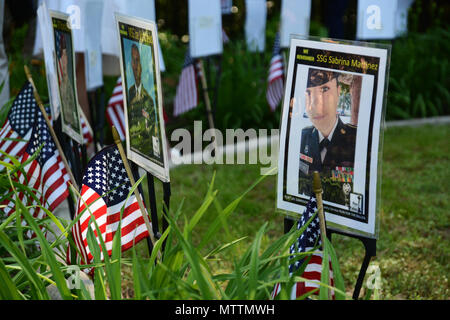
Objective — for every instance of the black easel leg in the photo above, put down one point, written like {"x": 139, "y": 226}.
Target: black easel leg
{"x": 77, "y": 168}
{"x": 83, "y": 157}
{"x": 362, "y": 273}
{"x": 152, "y": 204}
{"x": 166, "y": 208}
{"x": 92, "y": 100}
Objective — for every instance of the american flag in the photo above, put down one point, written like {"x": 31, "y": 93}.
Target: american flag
{"x": 88, "y": 135}
{"x": 275, "y": 85}
{"x": 307, "y": 241}
{"x": 16, "y": 130}
{"x": 45, "y": 174}
{"x": 186, "y": 97}
{"x": 115, "y": 110}
{"x": 104, "y": 192}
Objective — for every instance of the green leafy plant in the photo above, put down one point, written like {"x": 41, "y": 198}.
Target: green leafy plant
{"x": 183, "y": 272}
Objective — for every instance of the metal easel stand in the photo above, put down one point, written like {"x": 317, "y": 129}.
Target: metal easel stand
{"x": 97, "y": 111}
{"x": 370, "y": 246}
{"x": 66, "y": 146}
{"x": 152, "y": 203}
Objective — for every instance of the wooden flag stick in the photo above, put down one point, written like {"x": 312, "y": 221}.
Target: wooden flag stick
{"x": 117, "y": 141}
{"x": 207, "y": 102}
{"x": 52, "y": 132}
{"x": 317, "y": 188}
{"x": 205, "y": 94}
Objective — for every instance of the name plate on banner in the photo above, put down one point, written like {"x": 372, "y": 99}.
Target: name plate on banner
{"x": 205, "y": 28}
{"x": 255, "y": 24}
{"x": 295, "y": 17}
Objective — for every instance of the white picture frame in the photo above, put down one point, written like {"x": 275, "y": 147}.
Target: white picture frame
{"x": 338, "y": 61}
{"x": 147, "y": 123}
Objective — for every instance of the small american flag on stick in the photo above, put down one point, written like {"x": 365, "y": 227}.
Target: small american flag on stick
{"x": 275, "y": 85}
{"x": 307, "y": 241}
{"x": 45, "y": 174}
{"x": 114, "y": 110}
{"x": 16, "y": 131}
{"x": 104, "y": 192}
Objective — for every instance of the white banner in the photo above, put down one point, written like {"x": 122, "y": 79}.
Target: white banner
{"x": 295, "y": 17}
{"x": 205, "y": 27}
{"x": 46, "y": 42}
{"x": 255, "y": 24}
{"x": 76, "y": 9}
{"x": 382, "y": 19}
{"x": 93, "y": 44}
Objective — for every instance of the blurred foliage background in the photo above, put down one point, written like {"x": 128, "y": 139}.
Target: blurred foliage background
{"x": 419, "y": 72}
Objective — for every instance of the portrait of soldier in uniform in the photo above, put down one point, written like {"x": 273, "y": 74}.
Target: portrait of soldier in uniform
{"x": 66, "y": 85}
{"x": 141, "y": 107}
{"x": 328, "y": 145}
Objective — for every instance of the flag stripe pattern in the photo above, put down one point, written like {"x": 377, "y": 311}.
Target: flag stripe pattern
{"x": 45, "y": 174}
{"x": 275, "y": 85}
{"x": 307, "y": 241}
{"x": 186, "y": 96}
{"x": 114, "y": 110}
{"x": 88, "y": 135}
{"x": 104, "y": 192}
{"x": 16, "y": 130}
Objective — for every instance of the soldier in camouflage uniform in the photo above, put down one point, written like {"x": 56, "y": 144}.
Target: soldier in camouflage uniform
{"x": 329, "y": 145}
{"x": 141, "y": 105}
{"x": 66, "y": 88}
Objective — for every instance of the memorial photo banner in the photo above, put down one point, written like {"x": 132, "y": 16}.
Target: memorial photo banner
{"x": 141, "y": 84}
{"x": 65, "y": 70}
{"x": 331, "y": 123}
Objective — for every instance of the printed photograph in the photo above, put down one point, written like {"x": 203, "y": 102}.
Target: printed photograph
{"x": 142, "y": 109}
{"x": 328, "y": 137}
{"x": 65, "y": 67}
{"x": 145, "y": 136}
{"x": 331, "y": 125}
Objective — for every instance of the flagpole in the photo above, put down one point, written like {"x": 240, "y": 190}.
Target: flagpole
{"x": 52, "y": 132}
{"x": 117, "y": 141}
{"x": 317, "y": 189}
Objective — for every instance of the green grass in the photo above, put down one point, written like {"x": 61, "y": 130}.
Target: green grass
{"x": 413, "y": 247}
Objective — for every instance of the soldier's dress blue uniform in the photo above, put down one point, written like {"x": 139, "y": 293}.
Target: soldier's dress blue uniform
{"x": 340, "y": 155}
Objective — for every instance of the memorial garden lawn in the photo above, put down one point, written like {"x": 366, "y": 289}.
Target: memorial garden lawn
{"x": 413, "y": 250}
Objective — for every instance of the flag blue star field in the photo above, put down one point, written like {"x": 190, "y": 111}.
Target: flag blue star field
{"x": 275, "y": 85}
{"x": 16, "y": 130}
{"x": 45, "y": 174}
{"x": 104, "y": 191}
{"x": 307, "y": 241}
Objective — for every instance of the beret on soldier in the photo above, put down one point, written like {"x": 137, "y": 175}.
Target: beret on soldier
{"x": 318, "y": 77}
